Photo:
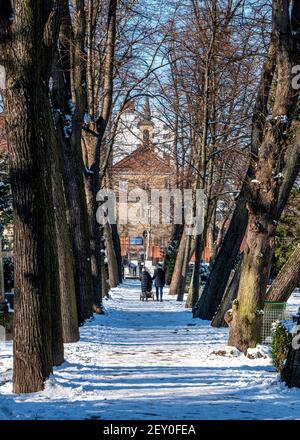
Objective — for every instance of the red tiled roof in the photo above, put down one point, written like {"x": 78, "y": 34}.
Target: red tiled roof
{"x": 143, "y": 159}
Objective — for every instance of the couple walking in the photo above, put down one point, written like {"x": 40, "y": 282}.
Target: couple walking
{"x": 159, "y": 278}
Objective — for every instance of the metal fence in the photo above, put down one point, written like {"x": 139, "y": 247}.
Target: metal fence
{"x": 273, "y": 311}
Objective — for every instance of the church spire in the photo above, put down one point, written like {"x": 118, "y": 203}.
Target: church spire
{"x": 146, "y": 124}
{"x": 147, "y": 111}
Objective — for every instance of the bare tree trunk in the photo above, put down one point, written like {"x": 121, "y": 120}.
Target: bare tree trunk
{"x": 94, "y": 154}
{"x": 79, "y": 97}
{"x": 245, "y": 327}
{"x": 193, "y": 294}
{"x": 71, "y": 162}
{"x": 117, "y": 248}
{"x": 189, "y": 300}
{"x": 210, "y": 238}
{"x": 78, "y": 225}
{"x": 111, "y": 257}
{"x": 202, "y": 165}
{"x": 32, "y": 328}
{"x": 195, "y": 282}
{"x": 185, "y": 265}
{"x": 287, "y": 279}
{"x": 218, "y": 278}
{"x": 228, "y": 298}
{"x": 95, "y": 238}
{"x": 217, "y": 243}
{"x": 37, "y": 323}
{"x": 177, "y": 272}
{"x": 214, "y": 289}
{"x": 69, "y": 312}
{"x": 103, "y": 273}
{"x": 65, "y": 258}
{"x": 171, "y": 253}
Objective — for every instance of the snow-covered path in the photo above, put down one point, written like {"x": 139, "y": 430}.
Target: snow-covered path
{"x": 149, "y": 360}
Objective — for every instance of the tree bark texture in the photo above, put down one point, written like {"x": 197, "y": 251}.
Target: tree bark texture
{"x": 228, "y": 298}
{"x": 185, "y": 264}
{"x": 177, "y": 272}
{"x": 28, "y": 47}
{"x": 113, "y": 273}
{"x": 65, "y": 257}
{"x": 72, "y": 167}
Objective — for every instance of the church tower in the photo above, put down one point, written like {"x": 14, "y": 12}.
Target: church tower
{"x": 146, "y": 124}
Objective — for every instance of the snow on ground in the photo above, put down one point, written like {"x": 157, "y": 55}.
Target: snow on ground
{"x": 151, "y": 360}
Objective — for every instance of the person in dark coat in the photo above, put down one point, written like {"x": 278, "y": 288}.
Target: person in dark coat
{"x": 140, "y": 268}
{"x": 159, "y": 278}
{"x": 146, "y": 283}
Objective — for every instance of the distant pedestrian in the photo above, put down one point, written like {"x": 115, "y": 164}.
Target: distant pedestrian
{"x": 146, "y": 283}
{"x": 134, "y": 270}
{"x": 159, "y": 278}
{"x": 140, "y": 268}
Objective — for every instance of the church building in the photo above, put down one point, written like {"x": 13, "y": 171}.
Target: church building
{"x": 147, "y": 166}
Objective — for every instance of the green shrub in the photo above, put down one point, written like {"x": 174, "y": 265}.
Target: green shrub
{"x": 281, "y": 342}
